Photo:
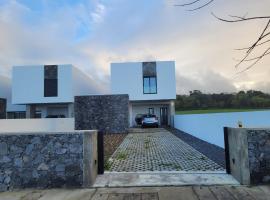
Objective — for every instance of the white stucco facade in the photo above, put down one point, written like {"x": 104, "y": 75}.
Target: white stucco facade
{"x": 28, "y": 86}
{"x": 128, "y": 78}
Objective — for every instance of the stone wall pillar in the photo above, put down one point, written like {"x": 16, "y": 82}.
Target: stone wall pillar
{"x": 249, "y": 155}
{"x": 3, "y": 108}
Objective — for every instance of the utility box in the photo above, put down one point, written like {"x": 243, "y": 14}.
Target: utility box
{"x": 248, "y": 155}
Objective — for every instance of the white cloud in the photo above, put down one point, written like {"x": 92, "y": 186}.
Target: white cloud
{"x": 99, "y": 13}
{"x": 122, "y": 30}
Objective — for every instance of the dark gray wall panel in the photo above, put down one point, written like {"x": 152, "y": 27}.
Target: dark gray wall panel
{"x": 107, "y": 113}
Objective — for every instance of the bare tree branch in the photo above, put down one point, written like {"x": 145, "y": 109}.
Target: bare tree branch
{"x": 204, "y": 5}
{"x": 187, "y": 4}
{"x": 256, "y": 61}
{"x": 255, "y": 58}
{"x": 194, "y": 2}
{"x": 263, "y": 38}
{"x": 246, "y": 48}
{"x": 240, "y": 19}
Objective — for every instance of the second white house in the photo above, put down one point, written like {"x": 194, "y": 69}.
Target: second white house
{"x": 151, "y": 88}
{"x": 49, "y": 90}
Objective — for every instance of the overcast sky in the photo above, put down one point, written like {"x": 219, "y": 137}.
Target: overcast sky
{"x": 91, "y": 34}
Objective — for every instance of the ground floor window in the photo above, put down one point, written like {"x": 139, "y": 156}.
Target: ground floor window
{"x": 16, "y": 115}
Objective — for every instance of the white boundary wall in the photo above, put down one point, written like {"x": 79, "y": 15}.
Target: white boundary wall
{"x": 36, "y": 125}
{"x": 209, "y": 127}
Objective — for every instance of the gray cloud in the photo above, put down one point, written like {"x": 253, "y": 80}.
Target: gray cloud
{"x": 205, "y": 81}
{"x": 133, "y": 31}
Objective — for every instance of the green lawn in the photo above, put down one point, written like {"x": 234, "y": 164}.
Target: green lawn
{"x": 185, "y": 112}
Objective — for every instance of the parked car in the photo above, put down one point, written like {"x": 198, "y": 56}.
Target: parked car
{"x": 149, "y": 121}
{"x": 139, "y": 118}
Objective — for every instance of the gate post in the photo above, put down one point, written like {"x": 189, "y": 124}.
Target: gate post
{"x": 100, "y": 145}
{"x": 227, "y": 150}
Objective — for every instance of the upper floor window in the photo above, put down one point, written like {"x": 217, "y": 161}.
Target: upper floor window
{"x": 149, "y": 78}
{"x": 50, "y": 81}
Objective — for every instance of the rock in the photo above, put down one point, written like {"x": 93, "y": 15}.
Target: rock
{"x": 16, "y": 149}
{"x": 60, "y": 168}
{"x": 5, "y": 159}
{"x": 18, "y": 162}
{"x": 75, "y": 148}
{"x": 29, "y": 149}
{"x": 3, "y": 148}
{"x": 2, "y": 177}
{"x": 35, "y": 174}
{"x": 8, "y": 172}
{"x": 36, "y": 140}
{"x": 26, "y": 159}
{"x": 43, "y": 167}
{"x": 38, "y": 159}
{"x": 7, "y": 180}
{"x": 3, "y": 188}
{"x": 61, "y": 151}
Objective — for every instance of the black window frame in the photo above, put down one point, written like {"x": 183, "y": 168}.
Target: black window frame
{"x": 149, "y": 78}
{"x": 50, "y": 81}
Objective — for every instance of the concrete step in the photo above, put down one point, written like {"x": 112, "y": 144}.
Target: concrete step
{"x": 111, "y": 179}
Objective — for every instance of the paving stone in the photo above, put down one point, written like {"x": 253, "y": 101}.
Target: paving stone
{"x": 158, "y": 151}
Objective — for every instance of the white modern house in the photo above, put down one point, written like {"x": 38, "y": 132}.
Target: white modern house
{"x": 13, "y": 111}
{"x": 49, "y": 90}
{"x": 151, "y": 88}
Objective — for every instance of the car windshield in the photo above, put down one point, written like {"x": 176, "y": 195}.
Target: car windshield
{"x": 149, "y": 116}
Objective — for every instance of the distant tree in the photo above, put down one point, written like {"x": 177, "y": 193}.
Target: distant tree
{"x": 242, "y": 99}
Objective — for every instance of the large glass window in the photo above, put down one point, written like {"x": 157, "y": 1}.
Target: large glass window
{"x": 149, "y": 77}
{"x": 149, "y": 85}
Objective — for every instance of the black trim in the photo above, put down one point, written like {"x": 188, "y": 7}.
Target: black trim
{"x": 149, "y": 84}
{"x": 227, "y": 152}
{"x": 100, "y": 147}
{"x": 50, "y": 81}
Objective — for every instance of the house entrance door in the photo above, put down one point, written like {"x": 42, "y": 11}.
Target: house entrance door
{"x": 164, "y": 116}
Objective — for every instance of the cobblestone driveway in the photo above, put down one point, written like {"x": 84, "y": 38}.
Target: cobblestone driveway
{"x": 157, "y": 150}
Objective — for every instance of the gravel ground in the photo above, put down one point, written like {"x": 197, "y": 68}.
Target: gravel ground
{"x": 215, "y": 153}
{"x": 111, "y": 143}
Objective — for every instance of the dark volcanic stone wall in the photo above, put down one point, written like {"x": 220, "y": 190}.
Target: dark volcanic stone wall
{"x": 107, "y": 113}
{"x": 3, "y": 106}
{"x": 46, "y": 160}
{"x": 259, "y": 155}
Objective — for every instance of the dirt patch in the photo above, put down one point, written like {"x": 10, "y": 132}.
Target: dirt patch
{"x": 111, "y": 143}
